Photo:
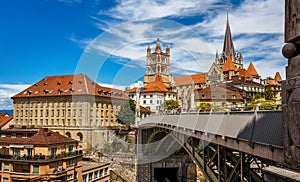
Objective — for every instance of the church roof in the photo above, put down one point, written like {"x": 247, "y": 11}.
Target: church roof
{"x": 228, "y": 66}
{"x": 251, "y": 69}
{"x": 190, "y": 79}
{"x": 156, "y": 86}
{"x": 244, "y": 73}
{"x": 277, "y": 77}
{"x": 228, "y": 47}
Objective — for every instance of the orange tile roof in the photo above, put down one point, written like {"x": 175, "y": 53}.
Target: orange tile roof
{"x": 277, "y": 77}
{"x": 156, "y": 86}
{"x": 42, "y": 136}
{"x": 251, "y": 69}
{"x": 69, "y": 85}
{"x": 133, "y": 90}
{"x": 144, "y": 110}
{"x": 4, "y": 119}
{"x": 228, "y": 66}
{"x": 190, "y": 79}
{"x": 244, "y": 73}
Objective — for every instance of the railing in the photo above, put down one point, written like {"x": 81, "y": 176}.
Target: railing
{"x": 41, "y": 157}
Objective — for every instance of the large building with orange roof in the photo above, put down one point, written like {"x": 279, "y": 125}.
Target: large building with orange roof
{"x": 73, "y": 105}
{"x": 274, "y": 85}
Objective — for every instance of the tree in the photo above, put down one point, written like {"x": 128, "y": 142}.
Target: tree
{"x": 204, "y": 106}
{"x": 126, "y": 115}
{"x": 170, "y": 105}
{"x": 264, "y": 105}
{"x": 270, "y": 95}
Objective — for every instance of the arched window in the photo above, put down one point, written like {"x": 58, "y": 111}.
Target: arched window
{"x": 80, "y": 136}
{"x": 68, "y": 134}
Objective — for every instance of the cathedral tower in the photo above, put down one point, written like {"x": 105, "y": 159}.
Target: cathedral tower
{"x": 158, "y": 63}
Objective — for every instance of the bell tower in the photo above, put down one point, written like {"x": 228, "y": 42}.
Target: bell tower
{"x": 158, "y": 62}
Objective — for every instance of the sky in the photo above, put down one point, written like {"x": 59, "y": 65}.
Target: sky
{"x": 107, "y": 40}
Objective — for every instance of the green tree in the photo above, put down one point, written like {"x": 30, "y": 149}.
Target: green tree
{"x": 264, "y": 105}
{"x": 126, "y": 115}
{"x": 204, "y": 106}
{"x": 170, "y": 105}
{"x": 269, "y": 94}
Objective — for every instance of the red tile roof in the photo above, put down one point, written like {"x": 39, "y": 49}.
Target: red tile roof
{"x": 68, "y": 85}
{"x": 218, "y": 92}
{"x": 190, "y": 79}
{"x": 228, "y": 66}
{"x": 4, "y": 119}
{"x": 251, "y": 70}
{"x": 156, "y": 86}
{"x": 42, "y": 137}
{"x": 133, "y": 90}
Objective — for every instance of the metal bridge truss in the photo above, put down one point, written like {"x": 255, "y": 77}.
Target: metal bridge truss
{"x": 217, "y": 162}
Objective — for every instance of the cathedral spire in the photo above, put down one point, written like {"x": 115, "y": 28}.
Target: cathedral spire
{"x": 228, "y": 47}
{"x": 158, "y": 48}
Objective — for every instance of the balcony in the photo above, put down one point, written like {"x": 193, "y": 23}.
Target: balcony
{"x": 40, "y": 158}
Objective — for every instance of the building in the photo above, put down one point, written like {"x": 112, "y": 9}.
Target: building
{"x": 220, "y": 97}
{"x": 73, "y": 105}
{"x": 274, "y": 85}
{"x": 30, "y": 154}
{"x": 5, "y": 120}
{"x": 184, "y": 85}
{"x": 158, "y": 82}
{"x": 95, "y": 171}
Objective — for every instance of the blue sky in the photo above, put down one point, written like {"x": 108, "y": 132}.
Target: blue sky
{"x": 107, "y": 40}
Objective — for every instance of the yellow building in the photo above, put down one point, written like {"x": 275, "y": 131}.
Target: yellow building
{"x": 73, "y": 105}
{"x": 29, "y": 154}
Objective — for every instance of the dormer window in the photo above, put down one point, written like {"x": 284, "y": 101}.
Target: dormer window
{"x": 45, "y": 83}
{"x": 58, "y": 83}
{"x": 70, "y": 82}
{"x": 59, "y": 91}
{"x": 46, "y": 91}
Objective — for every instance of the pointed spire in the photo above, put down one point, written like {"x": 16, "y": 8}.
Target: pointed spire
{"x": 278, "y": 77}
{"x": 158, "y": 48}
{"x": 148, "y": 49}
{"x": 228, "y": 66}
{"x": 228, "y": 47}
{"x": 251, "y": 69}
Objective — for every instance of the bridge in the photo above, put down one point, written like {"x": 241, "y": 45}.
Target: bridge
{"x": 233, "y": 146}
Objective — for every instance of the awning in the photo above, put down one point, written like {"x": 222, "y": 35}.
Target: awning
{"x": 16, "y": 146}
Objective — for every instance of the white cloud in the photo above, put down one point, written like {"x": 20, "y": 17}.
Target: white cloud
{"x": 109, "y": 85}
{"x": 257, "y": 28}
{"x": 149, "y": 9}
{"x": 138, "y": 84}
{"x": 7, "y": 91}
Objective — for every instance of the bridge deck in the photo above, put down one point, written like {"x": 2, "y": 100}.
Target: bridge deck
{"x": 263, "y": 127}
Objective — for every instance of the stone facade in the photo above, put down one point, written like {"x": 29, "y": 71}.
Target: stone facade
{"x": 291, "y": 87}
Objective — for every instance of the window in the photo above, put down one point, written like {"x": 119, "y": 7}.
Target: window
{"x": 53, "y": 151}
{"x": 233, "y": 97}
{"x": 69, "y": 112}
{"x": 144, "y": 101}
{"x": 80, "y": 112}
{"x": 3, "y": 135}
{"x": 203, "y": 96}
{"x": 157, "y": 102}
{"x": 150, "y": 101}
{"x": 151, "y": 96}
{"x": 223, "y": 96}
{"x": 74, "y": 112}
{"x": 213, "y": 96}
{"x": 63, "y": 112}
{"x": 57, "y": 113}
{"x": 17, "y": 151}
{"x": 52, "y": 122}
{"x": 36, "y": 169}
{"x": 47, "y": 122}
{"x": 29, "y": 151}
{"x": 6, "y": 166}
{"x": 69, "y": 122}
{"x": 70, "y": 148}
{"x": 56, "y": 166}
{"x": 47, "y": 113}
{"x": 25, "y": 168}
{"x": 25, "y": 135}
{"x": 5, "y": 179}
{"x": 13, "y": 135}
{"x": 41, "y": 112}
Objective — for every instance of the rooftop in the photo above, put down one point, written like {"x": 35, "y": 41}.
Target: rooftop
{"x": 69, "y": 85}
{"x": 190, "y": 79}
{"x": 4, "y": 119}
{"x": 89, "y": 165}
